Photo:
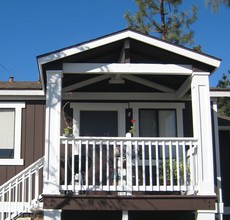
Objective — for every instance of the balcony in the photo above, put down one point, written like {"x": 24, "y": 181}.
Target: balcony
{"x": 127, "y": 166}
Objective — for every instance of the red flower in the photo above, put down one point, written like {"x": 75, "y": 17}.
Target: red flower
{"x": 133, "y": 121}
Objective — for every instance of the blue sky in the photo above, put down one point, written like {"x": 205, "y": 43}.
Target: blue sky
{"x": 29, "y": 28}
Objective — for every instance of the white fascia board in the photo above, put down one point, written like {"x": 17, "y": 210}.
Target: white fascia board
{"x": 21, "y": 93}
{"x": 129, "y": 34}
{"x": 82, "y": 47}
{"x": 216, "y": 94}
{"x": 176, "y": 49}
{"x": 127, "y": 68}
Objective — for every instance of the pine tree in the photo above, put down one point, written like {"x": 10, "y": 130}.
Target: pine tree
{"x": 164, "y": 19}
{"x": 216, "y": 3}
{"x": 224, "y": 102}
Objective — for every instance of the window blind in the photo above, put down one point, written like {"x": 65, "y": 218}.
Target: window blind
{"x": 7, "y": 122}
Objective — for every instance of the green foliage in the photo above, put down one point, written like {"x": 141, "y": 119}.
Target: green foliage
{"x": 224, "y": 81}
{"x": 216, "y": 3}
{"x": 164, "y": 19}
{"x": 173, "y": 168}
{"x": 224, "y": 102}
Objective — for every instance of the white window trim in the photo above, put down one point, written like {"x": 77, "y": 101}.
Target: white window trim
{"x": 18, "y": 106}
{"x": 119, "y": 107}
{"x": 159, "y": 105}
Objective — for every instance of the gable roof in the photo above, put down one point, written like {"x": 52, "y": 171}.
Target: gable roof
{"x": 142, "y": 45}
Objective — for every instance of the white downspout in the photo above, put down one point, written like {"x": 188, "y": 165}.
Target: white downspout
{"x": 220, "y": 205}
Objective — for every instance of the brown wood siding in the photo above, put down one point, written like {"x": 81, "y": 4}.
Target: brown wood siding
{"x": 224, "y": 137}
{"x": 32, "y": 142}
{"x": 187, "y": 120}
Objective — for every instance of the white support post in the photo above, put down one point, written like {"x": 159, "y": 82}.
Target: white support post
{"x": 205, "y": 215}
{"x": 220, "y": 204}
{"x": 129, "y": 176}
{"x": 51, "y": 214}
{"x": 202, "y": 129}
{"x": 125, "y": 215}
{"x": 52, "y": 134}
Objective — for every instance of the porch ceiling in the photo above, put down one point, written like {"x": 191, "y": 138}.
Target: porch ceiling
{"x": 137, "y": 83}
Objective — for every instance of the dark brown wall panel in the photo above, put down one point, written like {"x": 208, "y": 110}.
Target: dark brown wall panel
{"x": 224, "y": 137}
{"x": 32, "y": 142}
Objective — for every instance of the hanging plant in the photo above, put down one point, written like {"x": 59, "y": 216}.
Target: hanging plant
{"x": 68, "y": 130}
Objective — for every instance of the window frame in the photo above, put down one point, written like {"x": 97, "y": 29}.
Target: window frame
{"x": 178, "y": 107}
{"x": 79, "y": 106}
{"x": 17, "y": 106}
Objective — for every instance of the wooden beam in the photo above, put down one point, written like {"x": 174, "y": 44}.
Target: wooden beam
{"x": 125, "y": 52}
{"x": 119, "y": 96}
{"x": 85, "y": 83}
{"x": 184, "y": 88}
{"x": 127, "y": 68}
{"x": 148, "y": 83}
{"x": 124, "y": 203}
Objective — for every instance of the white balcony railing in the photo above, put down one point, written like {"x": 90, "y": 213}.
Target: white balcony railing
{"x": 22, "y": 192}
{"x": 128, "y": 164}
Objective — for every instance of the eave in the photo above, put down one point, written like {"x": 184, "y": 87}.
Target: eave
{"x": 209, "y": 63}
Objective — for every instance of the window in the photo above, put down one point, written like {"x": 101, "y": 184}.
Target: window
{"x": 99, "y": 123}
{"x": 157, "y": 123}
{"x": 158, "y": 119}
{"x": 99, "y": 119}
{"x": 10, "y": 133}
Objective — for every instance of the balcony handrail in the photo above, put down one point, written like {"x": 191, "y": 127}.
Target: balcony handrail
{"x": 129, "y": 138}
{"x": 139, "y": 173}
{"x": 19, "y": 193}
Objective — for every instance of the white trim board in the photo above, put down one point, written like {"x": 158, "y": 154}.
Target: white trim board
{"x": 18, "y": 106}
{"x": 127, "y": 68}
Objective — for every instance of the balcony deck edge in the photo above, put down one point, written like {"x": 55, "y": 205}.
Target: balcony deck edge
{"x": 134, "y": 202}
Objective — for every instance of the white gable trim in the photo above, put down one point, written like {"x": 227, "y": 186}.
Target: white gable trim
{"x": 176, "y": 49}
{"x": 134, "y": 35}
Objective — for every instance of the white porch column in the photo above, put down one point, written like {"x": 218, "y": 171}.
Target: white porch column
{"x": 202, "y": 130}
{"x": 52, "y": 134}
{"x": 52, "y": 214}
